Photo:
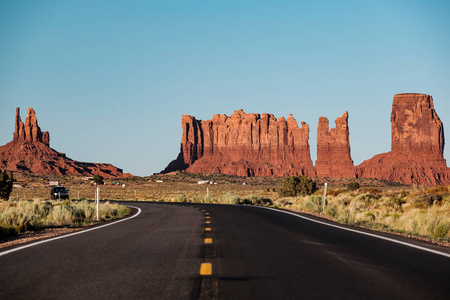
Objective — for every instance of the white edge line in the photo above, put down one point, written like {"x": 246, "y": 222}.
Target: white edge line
{"x": 71, "y": 234}
{"x": 361, "y": 232}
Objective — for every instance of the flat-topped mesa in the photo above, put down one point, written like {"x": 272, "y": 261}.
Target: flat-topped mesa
{"x": 333, "y": 149}
{"x": 30, "y": 131}
{"x": 244, "y": 144}
{"x": 417, "y": 150}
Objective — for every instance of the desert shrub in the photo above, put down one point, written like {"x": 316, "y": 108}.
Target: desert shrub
{"x": 230, "y": 198}
{"x": 396, "y": 202}
{"x": 311, "y": 206}
{"x": 370, "y": 216}
{"x": 438, "y": 190}
{"x": 345, "y": 217}
{"x": 7, "y": 231}
{"x": 286, "y": 201}
{"x": 353, "y": 186}
{"x": 317, "y": 200}
{"x": 297, "y": 186}
{"x": 441, "y": 230}
{"x": 331, "y": 211}
{"x": 367, "y": 199}
{"x": 256, "y": 200}
{"x": 370, "y": 190}
{"x": 181, "y": 198}
{"x": 426, "y": 200}
{"x": 6, "y": 185}
{"x": 334, "y": 193}
{"x": 344, "y": 200}
{"x": 98, "y": 180}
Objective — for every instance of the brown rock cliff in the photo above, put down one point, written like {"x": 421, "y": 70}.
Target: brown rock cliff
{"x": 333, "y": 149}
{"x": 244, "y": 144}
{"x": 417, "y": 149}
{"x": 30, "y": 153}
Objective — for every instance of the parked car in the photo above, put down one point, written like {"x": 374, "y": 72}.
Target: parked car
{"x": 59, "y": 192}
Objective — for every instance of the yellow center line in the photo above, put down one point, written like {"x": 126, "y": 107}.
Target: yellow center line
{"x": 208, "y": 217}
{"x": 208, "y": 241}
{"x": 206, "y": 213}
{"x": 208, "y": 228}
{"x": 208, "y": 222}
{"x": 206, "y": 269}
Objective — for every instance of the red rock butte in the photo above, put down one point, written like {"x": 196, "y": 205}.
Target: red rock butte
{"x": 254, "y": 145}
{"x": 417, "y": 146}
{"x": 244, "y": 144}
{"x": 29, "y": 152}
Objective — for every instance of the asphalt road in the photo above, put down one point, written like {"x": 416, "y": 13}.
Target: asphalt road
{"x": 255, "y": 253}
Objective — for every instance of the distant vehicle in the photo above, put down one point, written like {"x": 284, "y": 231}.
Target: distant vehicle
{"x": 59, "y": 192}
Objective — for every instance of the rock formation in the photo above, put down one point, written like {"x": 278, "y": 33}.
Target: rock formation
{"x": 30, "y": 152}
{"x": 417, "y": 148}
{"x": 333, "y": 149}
{"x": 30, "y": 132}
{"x": 244, "y": 144}
{"x": 254, "y": 145}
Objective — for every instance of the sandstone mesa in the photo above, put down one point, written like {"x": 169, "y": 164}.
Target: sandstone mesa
{"x": 262, "y": 145}
{"x": 29, "y": 152}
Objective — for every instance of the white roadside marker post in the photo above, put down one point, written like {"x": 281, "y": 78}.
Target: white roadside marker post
{"x": 97, "y": 196}
{"x": 324, "y": 198}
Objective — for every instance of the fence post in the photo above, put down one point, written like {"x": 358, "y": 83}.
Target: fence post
{"x": 97, "y": 196}
{"x": 324, "y": 198}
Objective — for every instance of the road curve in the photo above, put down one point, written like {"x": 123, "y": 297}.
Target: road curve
{"x": 251, "y": 252}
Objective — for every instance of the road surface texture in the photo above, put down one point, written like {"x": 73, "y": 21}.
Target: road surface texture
{"x": 250, "y": 252}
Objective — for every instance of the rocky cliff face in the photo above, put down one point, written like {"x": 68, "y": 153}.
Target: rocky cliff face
{"x": 244, "y": 144}
{"x": 333, "y": 149}
{"x": 417, "y": 149}
{"x": 254, "y": 145}
{"x": 30, "y": 152}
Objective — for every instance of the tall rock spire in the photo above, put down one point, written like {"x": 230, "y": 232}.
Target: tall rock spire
{"x": 333, "y": 149}
{"x": 30, "y": 131}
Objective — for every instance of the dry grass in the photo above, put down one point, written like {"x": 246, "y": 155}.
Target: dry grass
{"x": 420, "y": 212}
{"x": 21, "y": 216}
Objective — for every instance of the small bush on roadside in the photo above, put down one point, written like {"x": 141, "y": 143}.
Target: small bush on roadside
{"x": 230, "y": 198}
{"x": 6, "y": 185}
{"x": 297, "y": 186}
{"x": 7, "y": 231}
{"x": 441, "y": 230}
{"x": 256, "y": 200}
{"x": 353, "y": 186}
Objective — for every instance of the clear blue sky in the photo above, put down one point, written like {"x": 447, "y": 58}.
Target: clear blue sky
{"x": 110, "y": 80}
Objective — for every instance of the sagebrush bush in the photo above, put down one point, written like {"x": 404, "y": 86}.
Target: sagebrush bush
{"x": 353, "y": 186}
{"x": 230, "y": 198}
{"x": 297, "y": 186}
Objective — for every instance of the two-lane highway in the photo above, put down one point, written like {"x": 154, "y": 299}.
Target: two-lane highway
{"x": 256, "y": 253}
